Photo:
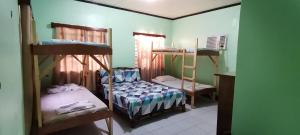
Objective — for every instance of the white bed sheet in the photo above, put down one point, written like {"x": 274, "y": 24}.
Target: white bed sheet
{"x": 176, "y": 83}
{"x": 51, "y": 102}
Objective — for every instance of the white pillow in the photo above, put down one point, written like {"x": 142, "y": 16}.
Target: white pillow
{"x": 165, "y": 78}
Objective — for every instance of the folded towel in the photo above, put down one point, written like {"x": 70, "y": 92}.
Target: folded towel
{"x": 74, "y": 107}
{"x": 64, "y": 88}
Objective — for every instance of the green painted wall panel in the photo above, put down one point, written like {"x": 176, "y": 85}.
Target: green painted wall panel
{"x": 267, "y": 85}
{"x": 11, "y": 92}
{"x": 186, "y": 30}
{"x": 123, "y": 24}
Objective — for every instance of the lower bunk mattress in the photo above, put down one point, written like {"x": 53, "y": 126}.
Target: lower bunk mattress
{"x": 53, "y": 105}
{"x": 141, "y": 97}
{"x": 171, "y": 81}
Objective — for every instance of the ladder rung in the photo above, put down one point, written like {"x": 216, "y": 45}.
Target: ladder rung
{"x": 188, "y": 78}
{"x": 190, "y": 67}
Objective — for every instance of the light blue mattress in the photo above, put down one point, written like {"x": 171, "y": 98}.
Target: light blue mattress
{"x": 70, "y": 42}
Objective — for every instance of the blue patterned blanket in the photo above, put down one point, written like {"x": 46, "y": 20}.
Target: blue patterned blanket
{"x": 141, "y": 97}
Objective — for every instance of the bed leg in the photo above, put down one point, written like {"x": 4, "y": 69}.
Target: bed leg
{"x": 193, "y": 102}
{"x": 213, "y": 96}
{"x": 183, "y": 108}
{"x": 132, "y": 123}
{"x": 109, "y": 125}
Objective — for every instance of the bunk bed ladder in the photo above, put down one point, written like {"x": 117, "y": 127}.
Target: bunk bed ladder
{"x": 192, "y": 68}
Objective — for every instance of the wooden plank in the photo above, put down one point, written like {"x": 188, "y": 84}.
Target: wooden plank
{"x": 37, "y": 89}
{"x": 107, "y": 122}
{"x": 151, "y": 55}
{"x": 212, "y": 60}
{"x": 108, "y": 60}
{"x": 188, "y": 78}
{"x": 110, "y": 120}
{"x": 195, "y": 62}
{"x": 149, "y": 35}
{"x": 51, "y": 66}
{"x": 182, "y": 70}
{"x": 110, "y": 125}
{"x": 75, "y": 121}
{"x": 67, "y": 49}
{"x": 179, "y": 52}
{"x": 42, "y": 60}
{"x": 172, "y": 50}
{"x": 207, "y": 53}
{"x": 85, "y": 70}
{"x": 104, "y": 59}
{"x": 173, "y": 58}
{"x": 168, "y": 53}
{"x": 100, "y": 63}
{"x": 54, "y": 25}
{"x": 189, "y": 67}
{"x": 215, "y": 61}
{"x": 194, "y": 73}
{"x": 216, "y": 69}
{"x": 199, "y": 52}
{"x": 27, "y": 65}
{"x": 155, "y": 55}
{"x": 109, "y": 37}
{"x": 76, "y": 58}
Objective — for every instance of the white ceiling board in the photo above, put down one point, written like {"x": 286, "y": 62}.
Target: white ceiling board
{"x": 168, "y": 8}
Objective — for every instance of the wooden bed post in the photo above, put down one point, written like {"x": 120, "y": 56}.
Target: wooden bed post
{"x": 172, "y": 58}
{"x": 27, "y": 63}
{"x": 182, "y": 69}
{"x": 215, "y": 61}
{"x": 151, "y": 60}
{"x": 37, "y": 89}
{"x": 216, "y": 78}
{"x": 110, "y": 120}
{"x": 194, "y": 73}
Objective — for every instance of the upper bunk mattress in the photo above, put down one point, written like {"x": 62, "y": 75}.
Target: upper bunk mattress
{"x": 176, "y": 83}
{"x": 141, "y": 97}
{"x": 203, "y": 51}
{"x": 69, "y": 42}
{"x": 51, "y": 102}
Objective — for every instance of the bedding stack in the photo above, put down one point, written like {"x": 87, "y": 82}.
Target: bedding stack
{"x": 138, "y": 96}
{"x": 68, "y": 101}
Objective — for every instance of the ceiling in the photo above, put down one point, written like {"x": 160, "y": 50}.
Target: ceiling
{"x": 167, "y": 8}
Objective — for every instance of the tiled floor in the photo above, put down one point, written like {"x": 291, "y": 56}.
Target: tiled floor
{"x": 199, "y": 121}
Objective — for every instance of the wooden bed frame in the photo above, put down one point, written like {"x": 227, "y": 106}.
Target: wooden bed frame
{"x": 61, "y": 51}
{"x": 213, "y": 55}
{"x": 137, "y": 118}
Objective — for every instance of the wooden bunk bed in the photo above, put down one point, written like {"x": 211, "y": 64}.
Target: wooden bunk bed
{"x": 193, "y": 87}
{"x": 60, "y": 51}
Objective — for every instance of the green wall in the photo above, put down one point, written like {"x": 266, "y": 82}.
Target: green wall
{"x": 123, "y": 24}
{"x": 11, "y": 95}
{"x": 186, "y": 30}
{"x": 183, "y": 31}
{"x": 267, "y": 84}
